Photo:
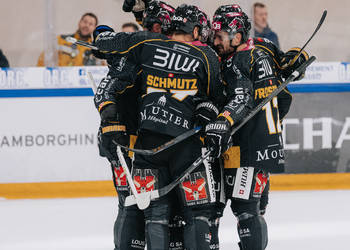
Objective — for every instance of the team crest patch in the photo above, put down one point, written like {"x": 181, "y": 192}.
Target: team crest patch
{"x": 260, "y": 184}
{"x": 120, "y": 178}
{"x": 145, "y": 180}
{"x": 195, "y": 189}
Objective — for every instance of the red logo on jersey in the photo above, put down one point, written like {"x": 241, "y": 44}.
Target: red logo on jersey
{"x": 120, "y": 176}
{"x": 195, "y": 190}
{"x": 144, "y": 183}
{"x": 260, "y": 183}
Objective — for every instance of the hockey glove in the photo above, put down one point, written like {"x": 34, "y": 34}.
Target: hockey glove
{"x": 128, "y": 5}
{"x": 205, "y": 112}
{"x": 291, "y": 63}
{"x": 218, "y": 136}
{"x": 112, "y": 129}
{"x": 100, "y": 29}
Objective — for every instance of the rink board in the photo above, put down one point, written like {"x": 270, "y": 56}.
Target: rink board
{"x": 285, "y": 182}
{"x": 48, "y": 144}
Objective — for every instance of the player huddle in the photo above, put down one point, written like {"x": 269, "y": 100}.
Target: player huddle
{"x": 168, "y": 80}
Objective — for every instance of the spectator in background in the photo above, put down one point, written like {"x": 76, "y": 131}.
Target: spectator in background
{"x": 4, "y": 63}
{"x": 75, "y": 55}
{"x": 130, "y": 27}
{"x": 261, "y": 26}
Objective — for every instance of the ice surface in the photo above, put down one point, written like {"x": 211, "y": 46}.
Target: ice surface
{"x": 297, "y": 220}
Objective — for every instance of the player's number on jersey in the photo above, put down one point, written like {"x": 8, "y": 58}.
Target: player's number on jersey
{"x": 177, "y": 94}
{"x": 274, "y": 127}
{"x": 264, "y": 69}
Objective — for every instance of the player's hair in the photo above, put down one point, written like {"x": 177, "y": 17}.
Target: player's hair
{"x": 132, "y": 25}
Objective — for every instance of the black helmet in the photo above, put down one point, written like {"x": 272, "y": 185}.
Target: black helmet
{"x": 187, "y": 17}
{"x": 232, "y": 19}
{"x": 158, "y": 12}
{"x": 228, "y": 8}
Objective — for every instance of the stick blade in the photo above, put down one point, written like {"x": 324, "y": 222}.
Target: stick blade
{"x": 143, "y": 201}
{"x": 130, "y": 201}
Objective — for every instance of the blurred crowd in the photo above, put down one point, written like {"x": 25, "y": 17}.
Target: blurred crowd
{"x": 70, "y": 54}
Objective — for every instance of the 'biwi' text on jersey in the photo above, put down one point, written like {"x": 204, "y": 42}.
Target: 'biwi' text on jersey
{"x": 175, "y": 77}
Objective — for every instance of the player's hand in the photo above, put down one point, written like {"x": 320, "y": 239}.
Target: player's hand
{"x": 100, "y": 29}
{"x": 218, "y": 136}
{"x": 128, "y": 5}
{"x": 108, "y": 133}
{"x": 112, "y": 129}
{"x": 291, "y": 62}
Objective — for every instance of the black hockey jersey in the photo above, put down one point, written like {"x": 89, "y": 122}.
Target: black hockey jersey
{"x": 251, "y": 76}
{"x": 175, "y": 77}
{"x": 285, "y": 97}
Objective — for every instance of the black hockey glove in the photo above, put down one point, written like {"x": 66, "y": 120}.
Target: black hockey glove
{"x": 98, "y": 30}
{"x": 289, "y": 64}
{"x": 111, "y": 129}
{"x": 128, "y": 5}
{"x": 205, "y": 112}
{"x": 218, "y": 136}
{"x": 109, "y": 132}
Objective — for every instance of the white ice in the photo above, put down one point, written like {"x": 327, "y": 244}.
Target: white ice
{"x": 299, "y": 220}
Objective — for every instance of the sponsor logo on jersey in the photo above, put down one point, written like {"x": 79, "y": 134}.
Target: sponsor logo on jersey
{"x": 268, "y": 154}
{"x": 160, "y": 115}
{"x": 120, "y": 177}
{"x": 260, "y": 184}
{"x": 262, "y": 93}
{"x": 144, "y": 180}
{"x": 174, "y": 61}
{"x": 195, "y": 189}
{"x": 171, "y": 83}
{"x": 162, "y": 101}
{"x": 243, "y": 183}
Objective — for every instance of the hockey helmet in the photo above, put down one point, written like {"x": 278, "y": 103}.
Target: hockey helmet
{"x": 233, "y": 20}
{"x": 187, "y": 17}
{"x": 158, "y": 12}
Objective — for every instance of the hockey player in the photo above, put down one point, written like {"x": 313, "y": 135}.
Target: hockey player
{"x": 129, "y": 228}
{"x": 251, "y": 75}
{"x": 176, "y": 78}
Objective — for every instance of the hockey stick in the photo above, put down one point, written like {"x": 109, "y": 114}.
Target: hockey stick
{"x": 323, "y": 17}
{"x": 274, "y": 93}
{"x": 130, "y": 200}
{"x": 155, "y": 194}
{"x": 92, "y": 82}
{"x": 142, "y": 200}
{"x": 79, "y": 42}
{"x": 164, "y": 146}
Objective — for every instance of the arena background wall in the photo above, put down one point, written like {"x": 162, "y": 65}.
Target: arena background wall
{"x": 48, "y": 144}
{"x": 23, "y": 24}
